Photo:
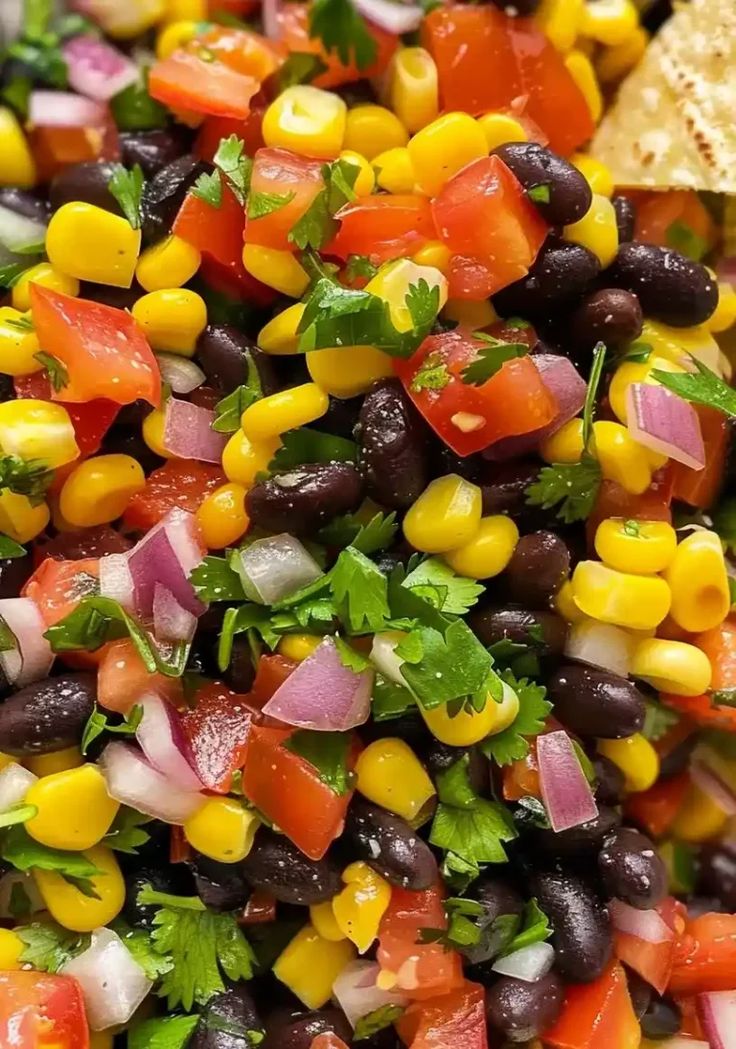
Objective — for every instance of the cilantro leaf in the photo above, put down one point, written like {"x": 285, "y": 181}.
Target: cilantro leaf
{"x": 511, "y": 744}
{"x": 327, "y": 752}
{"x": 704, "y": 388}
{"x": 11, "y": 274}
{"x": 97, "y": 723}
{"x": 658, "y": 720}
{"x": 22, "y": 323}
{"x": 349, "y": 656}
{"x": 24, "y": 853}
{"x": 215, "y": 580}
{"x": 342, "y": 29}
{"x": 10, "y": 549}
{"x": 360, "y": 591}
{"x": 359, "y": 266}
{"x": 208, "y": 188}
{"x": 318, "y": 225}
{"x": 235, "y": 165}
{"x": 29, "y": 477}
{"x": 440, "y": 667}
{"x": 348, "y": 530}
{"x": 239, "y": 621}
{"x": 573, "y": 485}
{"x": 301, "y": 67}
{"x": 390, "y": 700}
{"x": 48, "y": 947}
{"x": 134, "y": 110}
{"x": 125, "y": 834}
{"x": 43, "y": 58}
{"x": 127, "y": 188}
{"x": 17, "y": 93}
{"x": 140, "y": 945}
{"x": 55, "y": 369}
{"x": 461, "y": 931}
{"x": 231, "y": 407}
{"x": 310, "y": 446}
{"x": 490, "y": 358}
{"x": 535, "y": 928}
{"x": 163, "y": 1032}
{"x": 375, "y": 1021}
{"x": 36, "y": 17}
{"x": 433, "y": 374}
{"x": 596, "y": 371}
{"x": 262, "y": 204}
{"x": 539, "y": 194}
{"x": 460, "y": 593}
{"x": 683, "y": 238}
{"x": 17, "y": 814}
{"x": 724, "y": 522}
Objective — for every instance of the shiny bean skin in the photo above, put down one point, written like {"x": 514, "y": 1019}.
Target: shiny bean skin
{"x": 24, "y": 203}
{"x": 87, "y": 182}
{"x": 521, "y": 1011}
{"x": 593, "y": 702}
{"x": 582, "y": 936}
{"x": 164, "y": 194}
{"x": 14, "y": 571}
{"x": 632, "y": 870}
{"x": 625, "y": 218}
{"x": 7, "y": 389}
{"x": 170, "y": 878}
{"x": 539, "y": 566}
{"x": 610, "y": 785}
{"x": 240, "y": 673}
{"x": 496, "y": 896}
{"x": 503, "y": 488}
{"x": 640, "y": 992}
{"x": 297, "y": 1028}
{"x": 611, "y": 315}
{"x": 570, "y": 196}
{"x": 389, "y": 845}
{"x": 586, "y": 837}
{"x": 670, "y": 287}
{"x": 662, "y": 1019}
{"x": 221, "y": 886}
{"x": 118, "y": 298}
{"x": 393, "y": 449}
{"x": 544, "y": 632}
{"x": 223, "y": 1019}
{"x": 559, "y": 275}
{"x": 276, "y": 865}
{"x": 717, "y": 873}
{"x": 221, "y": 352}
{"x": 153, "y": 149}
{"x": 677, "y": 760}
{"x": 48, "y": 715}
{"x": 85, "y": 542}
{"x": 305, "y": 498}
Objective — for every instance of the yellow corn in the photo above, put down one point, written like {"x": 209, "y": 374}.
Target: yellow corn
{"x": 700, "y": 818}
{"x": 581, "y": 70}
{"x": 613, "y": 63}
{"x": 366, "y": 181}
{"x": 471, "y": 726}
{"x": 280, "y": 334}
{"x": 724, "y": 315}
{"x": 672, "y": 666}
{"x": 435, "y": 254}
{"x": 11, "y": 948}
{"x": 472, "y": 314}
{"x": 169, "y": 264}
{"x": 413, "y": 89}
{"x": 75, "y": 811}
{"x": 622, "y": 459}
{"x": 635, "y": 546}
{"x": 222, "y": 517}
{"x": 242, "y": 459}
{"x": 699, "y": 583}
{"x": 676, "y": 344}
{"x": 390, "y": 774}
{"x": 153, "y": 432}
{"x": 635, "y": 601}
{"x": 307, "y": 121}
{"x": 99, "y": 489}
{"x": 597, "y": 174}
{"x": 35, "y": 429}
{"x": 635, "y": 371}
{"x": 222, "y": 829}
{"x": 394, "y": 170}
{"x": 349, "y": 370}
{"x": 282, "y": 411}
{"x": 323, "y": 919}
{"x": 559, "y": 21}
{"x": 489, "y": 550}
{"x": 298, "y": 646}
{"x": 371, "y": 130}
{"x": 197, "y": 10}
{"x": 18, "y": 345}
{"x": 18, "y": 167}
{"x": 441, "y": 148}
{"x": 359, "y": 907}
{"x": 19, "y": 518}
{"x": 500, "y": 128}
{"x": 42, "y": 273}
{"x": 565, "y": 445}
{"x": 172, "y": 319}
{"x": 635, "y": 757}
{"x": 277, "y": 269}
{"x": 131, "y": 19}
{"x": 596, "y": 230}
{"x": 564, "y": 604}
{"x": 310, "y": 964}
{"x": 173, "y": 36}
{"x": 59, "y": 761}
{"x": 445, "y": 516}
{"x": 392, "y": 284}
{"x": 609, "y": 22}
{"x": 74, "y": 910}
{"x": 92, "y": 244}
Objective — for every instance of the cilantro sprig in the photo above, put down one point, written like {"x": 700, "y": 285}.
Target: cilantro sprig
{"x": 704, "y": 388}
{"x": 491, "y": 357}
{"x": 318, "y": 225}
{"x": 231, "y": 407}
{"x": 29, "y": 477}
{"x": 343, "y": 30}
{"x": 231, "y": 164}
{"x": 126, "y": 186}
{"x": 327, "y": 753}
{"x": 513, "y": 743}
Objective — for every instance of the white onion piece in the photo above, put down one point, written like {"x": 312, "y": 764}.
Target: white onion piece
{"x": 18, "y": 231}
{"x": 528, "y": 963}
{"x": 383, "y": 656}
{"x": 171, "y": 622}
{"x": 96, "y": 68}
{"x": 179, "y": 372}
{"x": 15, "y": 782}
{"x": 566, "y": 792}
{"x": 664, "y": 422}
{"x": 394, "y": 18}
{"x": 275, "y": 567}
{"x": 356, "y": 993}
{"x": 26, "y": 883}
{"x": 717, "y": 1012}
{"x": 188, "y": 432}
{"x": 163, "y": 742}
{"x": 113, "y": 983}
{"x": 601, "y": 645}
{"x": 649, "y": 925}
{"x": 23, "y": 619}
{"x": 64, "y": 109}
{"x": 116, "y": 581}
{"x": 133, "y": 781}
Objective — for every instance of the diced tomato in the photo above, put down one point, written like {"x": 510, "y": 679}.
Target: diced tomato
{"x": 271, "y": 673}
{"x": 652, "y": 961}
{"x": 690, "y": 1026}
{"x": 122, "y": 678}
{"x": 217, "y": 728}
{"x": 289, "y": 791}
{"x": 615, "y": 501}
{"x": 494, "y": 231}
{"x": 181, "y": 483}
{"x": 260, "y": 908}
{"x": 657, "y": 212}
{"x": 280, "y": 171}
{"x": 105, "y": 352}
{"x": 91, "y": 419}
{"x": 383, "y": 227}
{"x": 452, "y": 1021}
{"x": 189, "y": 80}
{"x": 468, "y": 418}
{"x": 38, "y": 1011}
{"x": 423, "y": 970}
{"x": 327, "y": 1040}
{"x": 56, "y": 148}
{"x": 294, "y": 23}
{"x": 521, "y": 778}
{"x": 719, "y": 645}
{"x": 57, "y": 587}
{"x": 215, "y": 128}
{"x": 241, "y": 49}
{"x": 488, "y": 60}
{"x": 705, "y": 958}
{"x": 597, "y": 1015}
{"x": 655, "y": 809}
{"x": 701, "y": 488}
{"x": 240, "y": 8}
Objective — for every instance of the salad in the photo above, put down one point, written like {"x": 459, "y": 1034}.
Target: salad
{"x": 367, "y": 653}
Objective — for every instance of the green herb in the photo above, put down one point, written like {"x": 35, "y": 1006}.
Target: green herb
{"x": 348, "y": 530}
{"x": 127, "y": 189}
{"x": 262, "y": 204}
{"x": 301, "y": 67}
{"x": 539, "y": 194}
{"x": 724, "y": 697}
{"x": 11, "y": 274}
{"x": 208, "y": 188}
{"x": 535, "y": 928}
{"x": 705, "y": 388}
{"x": 683, "y": 238}
{"x": 349, "y": 656}
{"x": 310, "y": 446}
{"x": 29, "y": 477}
{"x": 235, "y": 165}
{"x": 22, "y": 323}
{"x": 432, "y": 374}
{"x": 36, "y": 17}
{"x": 360, "y": 590}
{"x": 48, "y": 947}
{"x": 133, "y": 109}
{"x": 343, "y": 30}
{"x": 530, "y": 812}
{"x": 163, "y": 1032}
{"x": 43, "y": 59}
{"x": 491, "y": 358}
{"x": 17, "y": 814}
{"x": 231, "y": 407}
{"x": 10, "y": 549}
{"x": 512, "y": 744}
{"x": 16, "y": 94}
{"x": 461, "y": 931}
{"x": 632, "y": 528}
{"x": 444, "y": 666}
{"x": 215, "y": 580}
{"x": 23, "y": 852}
{"x": 658, "y": 720}
{"x": 369, "y": 1024}
{"x": 724, "y": 522}
{"x": 573, "y": 485}
{"x": 585, "y": 763}
{"x": 390, "y": 700}
{"x": 682, "y": 867}
{"x": 318, "y": 225}
{"x": 359, "y": 266}
{"x": 55, "y": 369}
{"x": 239, "y": 621}
{"x": 596, "y": 371}
{"x": 125, "y": 834}
{"x": 637, "y": 353}
{"x": 327, "y": 752}
{"x": 459, "y": 593}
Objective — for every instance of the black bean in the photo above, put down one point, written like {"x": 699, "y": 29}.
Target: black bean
{"x": 118, "y": 298}
{"x": 389, "y": 845}
{"x": 568, "y": 195}
{"x": 393, "y": 449}
{"x": 301, "y": 500}
{"x": 610, "y": 781}
{"x": 586, "y": 837}
{"x": 153, "y": 149}
{"x": 297, "y": 1028}
{"x": 14, "y": 571}
{"x": 496, "y": 896}
{"x": 717, "y": 873}
{"x": 611, "y": 315}
{"x": 221, "y": 351}
{"x": 593, "y": 702}
{"x": 625, "y": 218}
{"x": 164, "y": 194}
{"x": 48, "y": 715}
{"x": 240, "y": 673}
{"x": 543, "y": 632}
{"x": 632, "y": 870}
{"x": 677, "y": 760}
{"x": 24, "y": 203}
{"x": 521, "y": 1011}
{"x": 341, "y": 416}
{"x": 167, "y": 878}
{"x": 539, "y": 566}
{"x": 85, "y": 542}
{"x": 640, "y": 992}
{"x": 662, "y": 1019}
{"x": 87, "y": 182}
{"x": 670, "y": 287}
{"x": 277, "y": 865}
{"x": 582, "y": 936}
{"x": 221, "y": 886}
{"x": 7, "y": 389}
{"x": 228, "y": 1021}
{"x": 561, "y": 273}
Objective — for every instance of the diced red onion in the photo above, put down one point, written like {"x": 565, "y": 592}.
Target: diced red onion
{"x": 565, "y": 790}
{"x": 322, "y": 694}
{"x": 726, "y": 269}
{"x": 396, "y": 18}
{"x": 270, "y": 19}
{"x": 644, "y": 925}
{"x": 113, "y": 983}
{"x": 383, "y": 656}
{"x": 188, "y": 432}
{"x": 33, "y": 658}
{"x": 664, "y": 422}
{"x": 116, "y": 581}
{"x": 356, "y": 993}
{"x": 179, "y": 372}
{"x": 166, "y": 555}
{"x": 64, "y": 109}
{"x": 15, "y": 782}
{"x": 275, "y": 567}
{"x": 528, "y": 963}
{"x": 18, "y": 232}
{"x": 171, "y": 622}
{"x": 132, "y": 780}
{"x": 711, "y": 773}
{"x": 27, "y": 884}
{"x": 601, "y": 645}
{"x": 162, "y": 740}
{"x": 97, "y": 69}
{"x": 717, "y": 1012}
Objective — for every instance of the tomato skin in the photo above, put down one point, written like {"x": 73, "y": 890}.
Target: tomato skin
{"x": 56, "y": 148}
{"x": 105, "y": 352}
{"x": 719, "y": 645}
{"x": 38, "y": 1011}
{"x": 655, "y": 809}
{"x": 271, "y": 673}
{"x": 186, "y": 81}
{"x": 383, "y": 227}
{"x": 528, "y": 74}
{"x": 181, "y": 483}
{"x": 215, "y": 128}
{"x": 701, "y": 488}
{"x": 705, "y": 957}
{"x": 242, "y": 50}
{"x": 597, "y": 1015}
{"x": 423, "y": 970}
{"x": 451, "y": 1021}
{"x": 494, "y": 231}
{"x": 656, "y": 212}
{"x": 511, "y": 402}
{"x": 652, "y": 961}
{"x": 122, "y": 678}
{"x": 57, "y": 587}
{"x": 217, "y": 728}
{"x": 281, "y": 171}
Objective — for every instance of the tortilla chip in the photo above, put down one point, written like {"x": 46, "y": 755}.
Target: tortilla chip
{"x": 673, "y": 124}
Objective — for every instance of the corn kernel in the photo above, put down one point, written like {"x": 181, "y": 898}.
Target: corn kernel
{"x": 435, "y": 254}
{"x": 99, "y": 489}
{"x": 282, "y": 411}
{"x": 11, "y": 948}
{"x": 59, "y": 761}
{"x": 173, "y": 36}
{"x": 19, "y": 518}
{"x": 621, "y": 458}
{"x": 196, "y": 10}
{"x": 299, "y": 647}
{"x": 445, "y": 516}
{"x": 242, "y": 459}
{"x": 596, "y": 230}
{"x": 489, "y": 551}
{"x": 724, "y": 315}
{"x": 609, "y": 22}
{"x": 365, "y": 183}
{"x": 635, "y": 371}
{"x": 169, "y": 264}
{"x": 699, "y": 583}
{"x": 413, "y": 88}
{"x": 635, "y": 757}
{"x": 35, "y": 429}
{"x": 392, "y": 284}
{"x": 371, "y": 130}
{"x": 500, "y": 128}
{"x": 359, "y": 907}
{"x": 309, "y": 965}
{"x": 222, "y": 829}
{"x": 280, "y": 336}
{"x": 565, "y": 606}
{"x": 172, "y": 319}
{"x": 18, "y": 346}
{"x": 308, "y": 121}
{"x": 595, "y": 172}
{"x": 559, "y": 21}
{"x": 18, "y": 167}
{"x": 471, "y": 314}
{"x": 349, "y": 370}
{"x": 8, "y": 759}
{"x": 222, "y": 517}
{"x": 676, "y": 344}
{"x": 672, "y": 666}
{"x": 581, "y": 70}
{"x": 394, "y": 170}
{"x": 74, "y": 910}
{"x": 470, "y": 726}
{"x": 152, "y": 429}
{"x": 75, "y": 811}
{"x": 634, "y": 601}
{"x": 564, "y": 445}
{"x": 92, "y": 244}
{"x": 390, "y": 774}
{"x": 44, "y": 274}
{"x": 443, "y": 147}
{"x": 276, "y": 269}
{"x": 613, "y": 63}
{"x": 131, "y": 19}
{"x": 635, "y": 546}
{"x": 323, "y": 919}
{"x": 700, "y": 818}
